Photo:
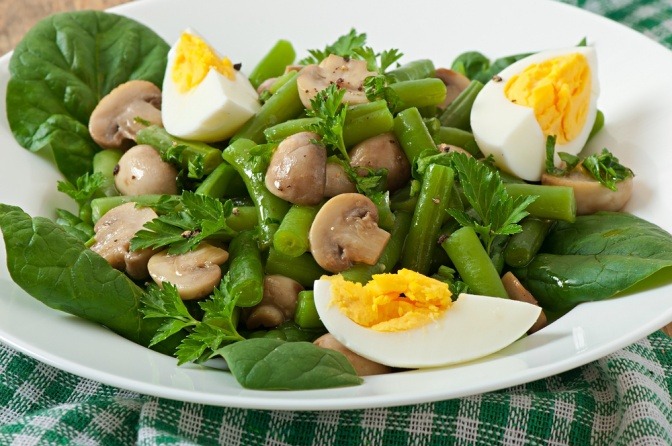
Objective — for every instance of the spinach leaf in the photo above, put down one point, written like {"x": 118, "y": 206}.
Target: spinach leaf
{"x": 272, "y": 364}
{"x": 61, "y": 69}
{"x": 595, "y": 258}
{"x": 57, "y": 269}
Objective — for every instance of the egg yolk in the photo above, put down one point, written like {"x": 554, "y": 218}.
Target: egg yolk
{"x": 391, "y": 302}
{"x": 193, "y": 60}
{"x": 558, "y": 90}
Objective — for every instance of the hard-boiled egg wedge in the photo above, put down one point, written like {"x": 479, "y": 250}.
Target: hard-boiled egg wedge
{"x": 549, "y": 93}
{"x": 407, "y": 320}
{"x": 204, "y": 96}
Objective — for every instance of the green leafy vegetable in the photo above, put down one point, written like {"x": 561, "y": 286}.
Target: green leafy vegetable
{"x": 476, "y": 66}
{"x": 61, "y": 69}
{"x": 272, "y": 364}
{"x": 344, "y": 46}
{"x": 376, "y": 87}
{"x": 84, "y": 189}
{"x": 606, "y": 169}
{"x": 595, "y": 258}
{"x": 199, "y": 218}
{"x": 328, "y": 106}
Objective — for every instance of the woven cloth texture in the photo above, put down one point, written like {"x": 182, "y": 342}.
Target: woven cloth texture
{"x": 622, "y": 399}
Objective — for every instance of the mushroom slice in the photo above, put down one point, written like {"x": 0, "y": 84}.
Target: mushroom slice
{"x": 345, "y": 231}
{"x": 195, "y": 273}
{"x": 114, "y": 231}
{"x": 455, "y": 84}
{"x": 517, "y": 291}
{"x": 113, "y": 122}
{"x": 297, "y": 169}
{"x": 347, "y": 74}
{"x": 591, "y": 195}
{"x": 445, "y": 148}
{"x": 141, "y": 171}
{"x": 278, "y": 304}
{"x": 337, "y": 180}
{"x": 363, "y": 366}
{"x": 383, "y": 152}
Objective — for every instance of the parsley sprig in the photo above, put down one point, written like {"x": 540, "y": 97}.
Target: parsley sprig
{"x": 200, "y": 217}
{"x": 328, "y": 106}
{"x": 84, "y": 189}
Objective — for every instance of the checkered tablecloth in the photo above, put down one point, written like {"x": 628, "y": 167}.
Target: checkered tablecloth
{"x": 622, "y": 399}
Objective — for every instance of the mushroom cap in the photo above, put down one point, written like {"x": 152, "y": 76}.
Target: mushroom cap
{"x": 362, "y": 365}
{"x": 347, "y": 74}
{"x": 455, "y": 84}
{"x": 113, "y": 122}
{"x": 195, "y": 274}
{"x": 591, "y": 196}
{"x": 297, "y": 169}
{"x": 345, "y": 231}
{"x": 278, "y": 304}
{"x": 141, "y": 171}
{"x": 337, "y": 181}
{"x": 113, "y": 234}
{"x": 383, "y": 152}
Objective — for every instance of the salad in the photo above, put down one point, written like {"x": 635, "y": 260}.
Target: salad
{"x": 440, "y": 216}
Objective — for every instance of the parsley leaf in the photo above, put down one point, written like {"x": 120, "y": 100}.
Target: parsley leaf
{"x": 571, "y": 161}
{"x": 344, "y": 46}
{"x": 84, "y": 189}
{"x": 328, "y": 106}
{"x": 200, "y": 217}
{"x": 376, "y": 88}
{"x": 606, "y": 169}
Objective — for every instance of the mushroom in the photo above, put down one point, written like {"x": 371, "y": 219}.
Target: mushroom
{"x": 383, "y": 152}
{"x": 195, "y": 273}
{"x": 337, "y": 181}
{"x": 113, "y": 234}
{"x": 591, "y": 195}
{"x": 113, "y": 123}
{"x": 344, "y": 231}
{"x": 517, "y": 291}
{"x": 297, "y": 169}
{"x": 362, "y": 366}
{"x": 455, "y": 83}
{"x": 445, "y": 148}
{"x": 347, "y": 74}
{"x": 277, "y": 305}
{"x": 141, "y": 171}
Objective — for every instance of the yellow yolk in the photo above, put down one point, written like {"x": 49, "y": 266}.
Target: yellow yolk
{"x": 193, "y": 60}
{"x": 392, "y": 302}
{"x": 558, "y": 90}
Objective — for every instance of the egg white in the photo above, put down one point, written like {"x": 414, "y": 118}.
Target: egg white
{"x": 510, "y": 132}
{"x": 473, "y": 327}
{"x": 211, "y": 111}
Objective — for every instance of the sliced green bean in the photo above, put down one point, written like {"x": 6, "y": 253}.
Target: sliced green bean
{"x": 419, "y": 93}
{"x": 523, "y": 246}
{"x": 459, "y": 138}
{"x": 280, "y": 131}
{"x": 100, "y": 206}
{"x": 359, "y": 126}
{"x": 412, "y": 133}
{"x": 304, "y": 269}
{"x": 473, "y": 263}
{"x": 217, "y": 182}
{"x": 273, "y": 64}
{"x": 291, "y": 238}
{"x": 245, "y": 270}
{"x": 458, "y": 112}
{"x": 430, "y": 213}
{"x": 417, "y": 69}
{"x": 242, "y": 218}
{"x": 105, "y": 163}
{"x": 402, "y": 200}
{"x": 553, "y": 202}
{"x": 306, "y": 315}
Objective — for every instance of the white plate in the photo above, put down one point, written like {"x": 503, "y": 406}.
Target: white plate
{"x": 636, "y": 98}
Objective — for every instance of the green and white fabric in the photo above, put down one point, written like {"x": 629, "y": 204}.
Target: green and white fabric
{"x": 622, "y": 399}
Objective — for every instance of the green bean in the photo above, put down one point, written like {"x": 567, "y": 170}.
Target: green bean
{"x": 419, "y": 93}
{"x": 553, "y": 202}
{"x": 304, "y": 269}
{"x": 523, "y": 246}
{"x": 597, "y": 126}
{"x": 283, "y": 105}
{"x": 281, "y": 80}
{"x": 306, "y": 315}
{"x": 280, "y": 131}
{"x": 473, "y": 263}
{"x": 417, "y": 69}
{"x": 430, "y": 213}
{"x": 459, "y": 138}
{"x": 273, "y": 64}
{"x": 458, "y": 112}
{"x": 385, "y": 214}
{"x": 217, "y": 182}
{"x": 390, "y": 256}
{"x": 359, "y": 126}
{"x": 291, "y": 238}
{"x": 242, "y": 218}
{"x": 100, "y": 206}
{"x": 403, "y": 201}
{"x": 412, "y": 133}
{"x": 246, "y": 271}
{"x": 270, "y": 209}
{"x": 105, "y": 163}
{"x": 192, "y": 151}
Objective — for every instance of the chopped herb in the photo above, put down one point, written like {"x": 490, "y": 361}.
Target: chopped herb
{"x": 606, "y": 169}
{"x": 84, "y": 189}
{"x": 328, "y": 106}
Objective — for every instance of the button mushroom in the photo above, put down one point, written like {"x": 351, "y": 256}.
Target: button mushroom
{"x": 363, "y": 366}
{"x": 195, "y": 273}
{"x": 114, "y": 231}
{"x": 297, "y": 169}
{"x": 591, "y": 196}
{"x": 445, "y": 148}
{"x": 141, "y": 171}
{"x": 517, "y": 291}
{"x": 113, "y": 123}
{"x": 337, "y": 181}
{"x": 347, "y": 74}
{"x": 383, "y": 152}
{"x": 345, "y": 231}
{"x": 455, "y": 84}
{"x": 277, "y": 305}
